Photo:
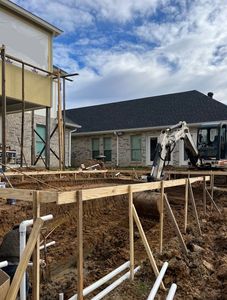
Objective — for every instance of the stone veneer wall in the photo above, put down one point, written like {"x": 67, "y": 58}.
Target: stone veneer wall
{"x": 82, "y": 148}
{"x": 13, "y": 124}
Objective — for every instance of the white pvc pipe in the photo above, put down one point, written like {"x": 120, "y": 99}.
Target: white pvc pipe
{"x": 61, "y": 296}
{"x": 114, "y": 285}
{"x": 102, "y": 280}
{"x": 22, "y": 230}
{"x": 158, "y": 282}
{"x": 172, "y": 292}
{"x": 3, "y": 264}
{"x": 47, "y": 245}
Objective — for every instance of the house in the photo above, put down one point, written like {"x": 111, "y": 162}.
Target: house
{"x": 126, "y": 132}
{"x": 29, "y": 39}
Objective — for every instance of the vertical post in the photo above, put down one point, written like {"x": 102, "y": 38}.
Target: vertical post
{"x": 47, "y": 149}
{"x": 3, "y": 57}
{"x": 32, "y": 137}
{"x": 212, "y": 187}
{"x": 204, "y": 194}
{"x": 186, "y": 206}
{"x": 36, "y": 253}
{"x": 22, "y": 118}
{"x": 161, "y": 216}
{"x": 194, "y": 208}
{"x": 60, "y": 123}
{"x": 80, "y": 246}
{"x": 131, "y": 232}
{"x": 64, "y": 126}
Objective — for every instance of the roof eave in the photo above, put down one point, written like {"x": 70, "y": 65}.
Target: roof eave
{"x": 28, "y": 15}
{"x": 141, "y": 129}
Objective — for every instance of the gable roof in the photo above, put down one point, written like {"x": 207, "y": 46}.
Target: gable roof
{"x": 30, "y": 16}
{"x": 158, "y": 111}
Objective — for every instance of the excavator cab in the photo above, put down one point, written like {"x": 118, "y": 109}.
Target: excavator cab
{"x": 212, "y": 144}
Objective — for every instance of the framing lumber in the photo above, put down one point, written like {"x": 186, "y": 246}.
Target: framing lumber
{"x": 161, "y": 216}
{"x": 22, "y": 118}
{"x": 80, "y": 284}
{"x": 204, "y": 196}
{"x": 36, "y": 253}
{"x": 194, "y": 208}
{"x": 67, "y": 197}
{"x": 146, "y": 244}
{"x": 213, "y": 202}
{"x": 177, "y": 230}
{"x": 14, "y": 287}
{"x": 3, "y": 57}
{"x": 131, "y": 232}
{"x": 186, "y": 206}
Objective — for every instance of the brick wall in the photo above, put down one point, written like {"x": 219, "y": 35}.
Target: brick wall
{"x": 13, "y": 124}
{"x": 82, "y": 148}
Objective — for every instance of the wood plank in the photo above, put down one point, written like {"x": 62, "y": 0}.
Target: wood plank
{"x": 18, "y": 194}
{"x": 213, "y": 202}
{"x": 131, "y": 232}
{"x": 66, "y": 197}
{"x": 36, "y": 253}
{"x": 198, "y": 172}
{"x": 186, "y": 206}
{"x": 146, "y": 244}
{"x": 204, "y": 196}
{"x": 161, "y": 216}
{"x": 101, "y": 192}
{"x": 14, "y": 287}
{"x": 176, "y": 227}
{"x": 80, "y": 284}
{"x": 194, "y": 208}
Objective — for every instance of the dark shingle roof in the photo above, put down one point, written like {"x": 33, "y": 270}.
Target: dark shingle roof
{"x": 190, "y": 106}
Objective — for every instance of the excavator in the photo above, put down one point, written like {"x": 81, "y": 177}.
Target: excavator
{"x": 211, "y": 153}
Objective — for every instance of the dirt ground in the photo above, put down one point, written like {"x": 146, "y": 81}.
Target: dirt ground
{"x": 202, "y": 274}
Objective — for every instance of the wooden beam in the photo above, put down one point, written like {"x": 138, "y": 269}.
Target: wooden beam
{"x": 176, "y": 227}
{"x": 213, "y": 202}
{"x": 146, "y": 244}
{"x": 18, "y": 194}
{"x": 36, "y": 253}
{"x": 131, "y": 232}
{"x": 14, "y": 287}
{"x": 80, "y": 246}
{"x": 194, "y": 208}
{"x": 204, "y": 196}
{"x": 161, "y": 216}
{"x": 186, "y": 206}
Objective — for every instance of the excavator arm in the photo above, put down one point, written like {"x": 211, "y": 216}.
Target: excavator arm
{"x": 165, "y": 145}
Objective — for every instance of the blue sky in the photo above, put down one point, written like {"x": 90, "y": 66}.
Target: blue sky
{"x": 128, "y": 49}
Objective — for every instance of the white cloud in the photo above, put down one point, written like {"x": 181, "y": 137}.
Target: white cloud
{"x": 184, "y": 50}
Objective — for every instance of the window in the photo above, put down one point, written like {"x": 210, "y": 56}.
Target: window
{"x": 136, "y": 148}
{"x": 107, "y": 144}
{"x": 95, "y": 148}
{"x": 41, "y": 130}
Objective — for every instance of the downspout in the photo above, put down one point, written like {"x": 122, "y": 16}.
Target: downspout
{"x": 70, "y": 146}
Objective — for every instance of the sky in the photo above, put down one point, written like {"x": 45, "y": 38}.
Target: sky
{"x": 128, "y": 49}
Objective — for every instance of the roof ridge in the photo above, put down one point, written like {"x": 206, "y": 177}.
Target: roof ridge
{"x": 136, "y": 99}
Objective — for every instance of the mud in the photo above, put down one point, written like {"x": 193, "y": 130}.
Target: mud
{"x": 199, "y": 275}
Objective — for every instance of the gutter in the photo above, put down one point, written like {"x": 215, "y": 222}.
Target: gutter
{"x": 112, "y": 131}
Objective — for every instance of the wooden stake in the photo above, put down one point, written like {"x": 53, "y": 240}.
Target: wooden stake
{"x": 146, "y": 245}
{"x": 36, "y": 253}
{"x": 186, "y": 206}
{"x": 194, "y": 208}
{"x": 213, "y": 202}
{"x": 131, "y": 232}
{"x": 80, "y": 246}
{"x": 204, "y": 195}
{"x": 177, "y": 230}
{"x": 13, "y": 290}
{"x": 161, "y": 216}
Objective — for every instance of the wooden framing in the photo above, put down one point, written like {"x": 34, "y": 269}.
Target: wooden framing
{"x": 66, "y": 197}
